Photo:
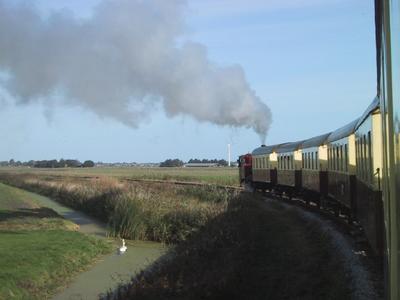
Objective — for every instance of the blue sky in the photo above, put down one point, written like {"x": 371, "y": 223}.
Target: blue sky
{"x": 312, "y": 62}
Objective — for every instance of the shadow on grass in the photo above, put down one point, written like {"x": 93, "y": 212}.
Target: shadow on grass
{"x": 252, "y": 251}
{"x": 40, "y": 213}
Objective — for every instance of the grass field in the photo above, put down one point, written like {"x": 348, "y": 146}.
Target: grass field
{"x": 221, "y": 176}
{"x": 39, "y": 250}
{"x": 159, "y": 212}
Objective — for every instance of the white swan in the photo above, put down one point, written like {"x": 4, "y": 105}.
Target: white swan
{"x": 123, "y": 248}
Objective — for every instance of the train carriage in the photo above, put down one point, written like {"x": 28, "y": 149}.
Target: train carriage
{"x": 355, "y": 154}
{"x": 369, "y": 205}
{"x": 265, "y": 162}
{"x": 342, "y": 166}
{"x": 315, "y": 167}
{"x": 289, "y": 168}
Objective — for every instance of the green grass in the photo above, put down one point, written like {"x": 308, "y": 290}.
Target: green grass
{"x": 39, "y": 250}
{"x": 34, "y": 264}
{"x": 222, "y": 176}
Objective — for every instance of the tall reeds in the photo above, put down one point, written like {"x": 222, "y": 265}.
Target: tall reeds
{"x": 157, "y": 212}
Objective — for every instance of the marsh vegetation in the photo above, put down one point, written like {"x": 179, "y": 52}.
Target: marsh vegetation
{"x": 220, "y": 175}
{"x": 143, "y": 211}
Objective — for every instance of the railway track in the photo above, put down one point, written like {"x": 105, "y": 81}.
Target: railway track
{"x": 328, "y": 212}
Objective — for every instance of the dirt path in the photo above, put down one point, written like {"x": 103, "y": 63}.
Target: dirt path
{"x": 112, "y": 269}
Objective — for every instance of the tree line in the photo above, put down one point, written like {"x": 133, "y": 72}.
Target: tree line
{"x": 179, "y": 163}
{"x": 62, "y": 163}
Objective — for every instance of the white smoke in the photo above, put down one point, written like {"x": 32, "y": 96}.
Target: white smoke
{"x": 122, "y": 61}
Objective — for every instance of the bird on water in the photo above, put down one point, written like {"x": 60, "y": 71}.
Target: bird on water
{"x": 122, "y": 249}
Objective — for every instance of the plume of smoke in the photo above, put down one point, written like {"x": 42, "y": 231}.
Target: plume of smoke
{"x": 122, "y": 61}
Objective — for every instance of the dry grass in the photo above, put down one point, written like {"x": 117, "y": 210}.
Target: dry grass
{"x": 157, "y": 212}
{"x": 251, "y": 251}
{"x": 221, "y": 175}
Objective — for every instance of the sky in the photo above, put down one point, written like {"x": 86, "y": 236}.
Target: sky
{"x": 312, "y": 62}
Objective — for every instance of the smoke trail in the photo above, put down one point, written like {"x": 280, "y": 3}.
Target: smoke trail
{"x": 122, "y": 61}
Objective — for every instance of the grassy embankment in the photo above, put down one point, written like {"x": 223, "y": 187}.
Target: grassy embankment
{"x": 222, "y": 176}
{"x": 253, "y": 250}
{"x": 156, "y": 212}
{"x": 229, "y": 246}
{"x": 39, "y": 250}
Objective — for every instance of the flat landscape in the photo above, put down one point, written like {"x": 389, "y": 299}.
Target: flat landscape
{"x": 224, "y": 243}
{"x": 220, "y": 175}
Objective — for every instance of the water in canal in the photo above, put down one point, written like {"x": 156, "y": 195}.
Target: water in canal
{"x": 111, "y": 269}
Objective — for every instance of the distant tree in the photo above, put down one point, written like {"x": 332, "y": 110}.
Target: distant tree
{"x": 73, "y": 163}
{"x": 223, "y": 162}
{"x": 62, "y": 163}
{"x": 172, "y": 163}
{"x": 88, "y": 164}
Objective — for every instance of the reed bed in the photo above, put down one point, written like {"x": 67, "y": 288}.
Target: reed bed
{"x": 254, "y": 250}
{"x": 157, "y": 212}
{"x": 221, "y": 175}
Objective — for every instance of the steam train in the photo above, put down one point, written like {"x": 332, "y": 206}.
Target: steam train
{"x": 340, "y": 169}
{"x": 356, "y": 167}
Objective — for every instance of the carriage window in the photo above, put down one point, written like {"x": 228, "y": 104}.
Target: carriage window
{"x": 357, "y": 160}
{"x": 307, "y": 160}
{"x": 371, "y": 170}
{"x": 312, "y": 160}
{"x": 337, "y": 158}
{"x": 346, "y": 159}
{"x": 329, "y": 158}
{"x": 365, "y": 157}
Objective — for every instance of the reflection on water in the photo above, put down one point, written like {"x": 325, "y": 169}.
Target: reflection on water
{"x": 112, "y": 270}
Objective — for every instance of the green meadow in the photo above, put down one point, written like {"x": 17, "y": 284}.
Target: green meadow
{"x": 39, "y": 250}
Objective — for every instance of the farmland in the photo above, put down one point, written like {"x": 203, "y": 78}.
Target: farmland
{"x": 220, "y": 175}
